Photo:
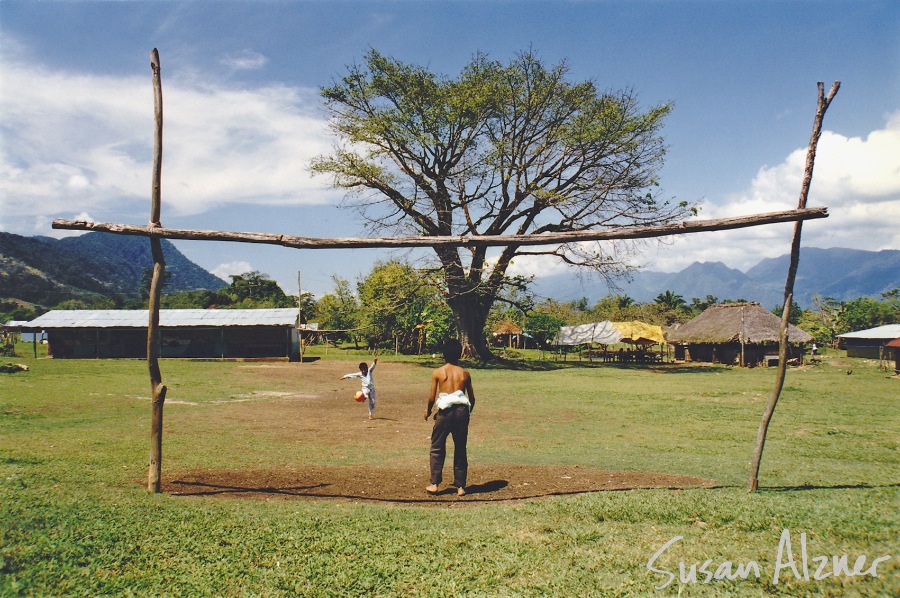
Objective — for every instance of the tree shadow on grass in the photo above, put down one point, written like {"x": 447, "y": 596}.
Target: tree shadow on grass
{"x": 445, "y": 495}
{"x": 214, "y": 489}
{"x": 804, "y": 487}
{"x": 477, "y": 494}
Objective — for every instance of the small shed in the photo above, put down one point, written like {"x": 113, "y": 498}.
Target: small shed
{"x": 186, "y": 333}
{"x": 894, "y": 348}
{"x": 870, "y": 343}
{"x": 736, "y": 334}
{"x": 508, "y": 333}
{"x": 13, "y": 331}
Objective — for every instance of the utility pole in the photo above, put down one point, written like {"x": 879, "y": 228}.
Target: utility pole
{"x": 300, "y": 315}
{"x": 743, "y": 361}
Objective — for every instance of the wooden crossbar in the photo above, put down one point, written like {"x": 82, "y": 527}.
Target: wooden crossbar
{"x": 603, "y": 234}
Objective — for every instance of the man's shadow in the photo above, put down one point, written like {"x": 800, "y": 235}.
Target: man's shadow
{"x": 492, "y": 486}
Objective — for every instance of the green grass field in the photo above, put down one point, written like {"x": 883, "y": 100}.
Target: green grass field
{"x": 74, "y": 439}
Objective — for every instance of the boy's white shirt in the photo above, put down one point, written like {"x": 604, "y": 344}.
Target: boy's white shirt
{"x": 368, "y": 383}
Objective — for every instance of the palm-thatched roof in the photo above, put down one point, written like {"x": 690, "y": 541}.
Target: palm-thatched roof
{"x": 507, "y": 327}
{"x": 733, "y": 322}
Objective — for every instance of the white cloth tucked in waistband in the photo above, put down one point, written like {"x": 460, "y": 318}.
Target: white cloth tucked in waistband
{"x": 445, "y": 400}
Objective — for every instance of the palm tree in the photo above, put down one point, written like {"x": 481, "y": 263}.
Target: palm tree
{"x": 623, "y": 301}
{"x": 670, "y": 301}
{"x": 698, "y": 305}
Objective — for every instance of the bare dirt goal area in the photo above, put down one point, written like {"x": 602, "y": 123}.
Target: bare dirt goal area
{"x": 321, "y": 418}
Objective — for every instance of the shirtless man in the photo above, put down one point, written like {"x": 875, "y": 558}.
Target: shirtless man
{"x": 451, "y": 390}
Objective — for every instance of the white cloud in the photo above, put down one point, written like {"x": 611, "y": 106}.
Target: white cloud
{"x": 247, "y": 60}
{"x": 223, "y": 271}
{"x": 42, "y": 226}
{"x": 77, "y": 142}
{"x": 849, "y": 171}
{"x": 857, "y": 179}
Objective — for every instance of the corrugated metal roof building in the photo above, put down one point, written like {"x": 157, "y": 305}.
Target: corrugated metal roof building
{"x": 187, "y": 333}
{"x": 869, "y": 343}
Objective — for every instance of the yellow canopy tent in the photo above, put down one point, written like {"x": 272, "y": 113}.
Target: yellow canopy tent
{"x": 640, "y": 333}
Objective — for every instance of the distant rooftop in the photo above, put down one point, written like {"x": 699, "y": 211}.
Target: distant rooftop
{"x": 889, "y": 331}
{"x": 168, "y": 318}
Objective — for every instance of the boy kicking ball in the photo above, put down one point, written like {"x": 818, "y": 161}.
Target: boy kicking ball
{"x": 368, "y": 384}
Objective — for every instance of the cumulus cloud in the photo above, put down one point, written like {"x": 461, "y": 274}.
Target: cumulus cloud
{"x": 223, "y": 271}
{"x": 856, "y": 178}
{"x": 849, "y": 171}
{"x": 42, "y": 226}
{"x": 77, "y": 142}
{"x": 246, "y": 60}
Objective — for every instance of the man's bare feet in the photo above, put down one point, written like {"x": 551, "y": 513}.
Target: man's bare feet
{"x": 460, "y": 491}
{"x": 370, "y": 416}
{"x": 431, "y": 489}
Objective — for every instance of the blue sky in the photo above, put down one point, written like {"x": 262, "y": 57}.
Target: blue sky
{"x": 244, "y": 116}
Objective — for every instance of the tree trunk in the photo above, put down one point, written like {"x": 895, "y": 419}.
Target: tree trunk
{"x": 471, "y": 317}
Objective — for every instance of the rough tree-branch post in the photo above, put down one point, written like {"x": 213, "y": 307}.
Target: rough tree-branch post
{"x": 157, "y": 388}
{"x": 822, "y": 106}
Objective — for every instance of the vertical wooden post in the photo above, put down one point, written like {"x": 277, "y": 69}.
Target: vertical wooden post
{"x": 300, "y": 317}
{"x": 823, "y": 103}
{"x": 743, "y": 357}
{"x": 157, "y": 388}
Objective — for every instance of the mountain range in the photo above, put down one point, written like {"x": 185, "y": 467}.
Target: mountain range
{"x": 842, "y": 274}
{"x": 47, "y": 271}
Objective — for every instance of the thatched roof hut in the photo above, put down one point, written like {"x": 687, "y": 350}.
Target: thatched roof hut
{"x": 743, "y": 333}
{"x": 507, "y": 332}
{"x": 728, "y": 322}
{"x": 507, "y": 327}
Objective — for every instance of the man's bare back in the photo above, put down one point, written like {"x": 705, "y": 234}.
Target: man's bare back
{"x": 448, "y": 379}
{"x": 451, "y": 378}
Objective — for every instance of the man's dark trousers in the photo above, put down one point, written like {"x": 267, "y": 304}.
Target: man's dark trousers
{"x": 453, "y": 421}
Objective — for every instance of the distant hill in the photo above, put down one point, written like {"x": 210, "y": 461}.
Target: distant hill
{"x": 843, "y": 274}
{"x": 46, "y": 271}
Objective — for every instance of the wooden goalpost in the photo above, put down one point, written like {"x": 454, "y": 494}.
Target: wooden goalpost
{"x": 156, "y": 232}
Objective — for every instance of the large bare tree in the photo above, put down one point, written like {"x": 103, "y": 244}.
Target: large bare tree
{"x": 498, "y": 149}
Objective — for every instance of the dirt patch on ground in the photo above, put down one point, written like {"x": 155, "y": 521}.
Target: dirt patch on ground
{"x": 488, "y": 483}
{"x": 307, "y": 406}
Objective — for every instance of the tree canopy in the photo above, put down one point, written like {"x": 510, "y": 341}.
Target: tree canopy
{"x": 398, "y": 305}
{"x": 497, "y": 149}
